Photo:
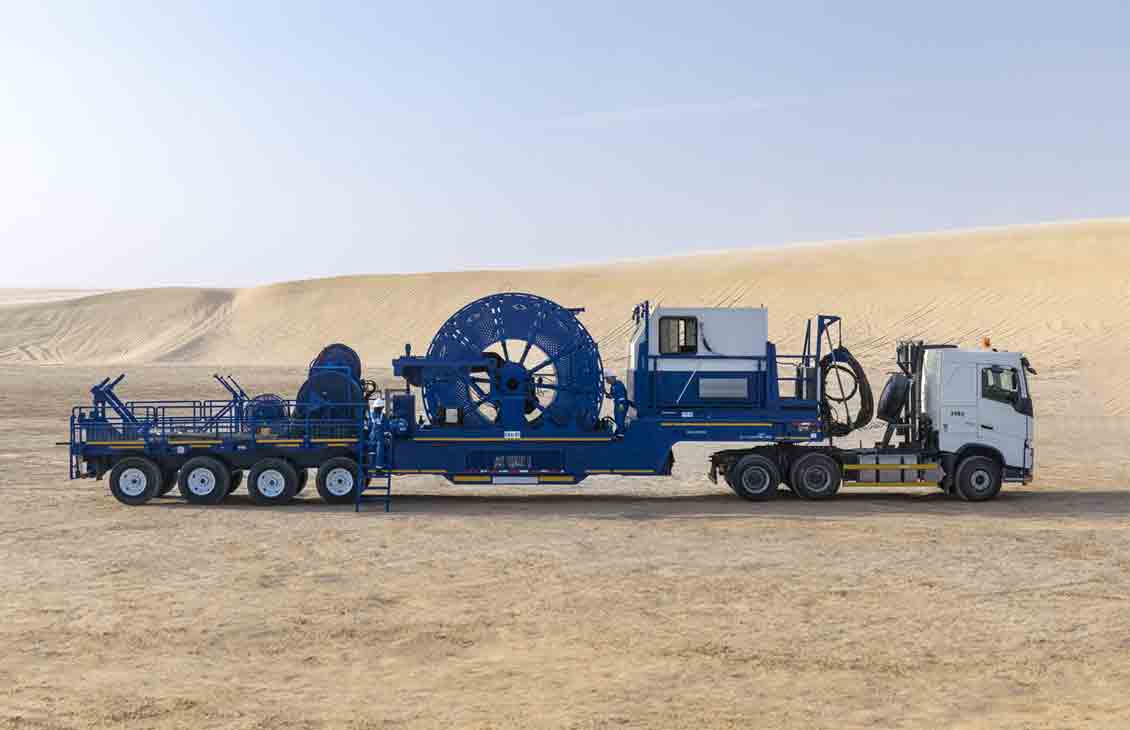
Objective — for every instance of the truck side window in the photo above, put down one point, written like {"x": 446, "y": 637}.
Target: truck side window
{"x": 1000, "y": 385}
{"x": 678, "y": 335}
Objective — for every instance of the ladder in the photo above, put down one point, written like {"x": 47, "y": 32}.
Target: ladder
{"x": 373, "y": 476}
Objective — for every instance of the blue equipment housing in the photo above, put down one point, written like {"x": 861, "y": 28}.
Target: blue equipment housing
{"x": 492, "y": 420}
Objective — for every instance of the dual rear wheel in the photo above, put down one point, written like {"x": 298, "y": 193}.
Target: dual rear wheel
{"x": 814, "y": 475}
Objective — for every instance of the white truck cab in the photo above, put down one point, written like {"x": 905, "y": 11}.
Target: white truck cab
{"x": 980, "y": 398}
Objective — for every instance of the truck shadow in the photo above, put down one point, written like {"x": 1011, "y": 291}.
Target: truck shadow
{"x": 1032, "y": 503}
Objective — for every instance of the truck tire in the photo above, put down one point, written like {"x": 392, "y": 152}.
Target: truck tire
{"x": 815, "y": 476}
{"x": 135, "y": 480}
{"x": 893, "y": 398}
{"x": 978, "y": 478}
{"x": 168, "y": 481}
{"x": 754, "y": 477}
{"x": 204, "y": 480}
{"x": 272, "y": 481}
{"x": 337, "y": 480}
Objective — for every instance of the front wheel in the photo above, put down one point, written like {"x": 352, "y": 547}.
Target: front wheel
{"x": 135, "y": 480}
{"x": 978, "y": 478}
{"x": 337, "y": 480}
{"x": 754, "y": 477}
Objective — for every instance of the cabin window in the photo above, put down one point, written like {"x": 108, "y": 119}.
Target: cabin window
{"x": 1000, "y": 384}
{"x": 678, "y": 335}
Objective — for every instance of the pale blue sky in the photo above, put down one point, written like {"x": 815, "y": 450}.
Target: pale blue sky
{"x": 226, "y": 144}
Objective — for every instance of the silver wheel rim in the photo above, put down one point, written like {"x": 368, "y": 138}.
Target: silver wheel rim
{"x": 133, "y": 482}
{"x": 339, "y": 482}
{"x": 201, "y": 481}
{"x": 816, "y": 479}
{"x": 270, "y": 483}
{"x": 755, "y": 480}
{"x": 981, "y": 480}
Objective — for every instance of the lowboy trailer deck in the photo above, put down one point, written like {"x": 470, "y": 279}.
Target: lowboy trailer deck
{"x": 512, "y": 390}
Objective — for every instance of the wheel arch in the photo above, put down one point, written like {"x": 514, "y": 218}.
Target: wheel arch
{"x": 977, "y": 450}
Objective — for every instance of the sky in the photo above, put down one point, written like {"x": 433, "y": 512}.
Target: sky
{"x": 232, "y": 144}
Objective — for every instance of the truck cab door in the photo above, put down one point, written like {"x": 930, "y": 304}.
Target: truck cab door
{"x": 1001, "y": 421}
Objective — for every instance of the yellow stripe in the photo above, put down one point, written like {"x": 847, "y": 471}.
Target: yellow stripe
{"x": 196, "y": 441}
{"x": 710, "y": 423}
{"x": 334, "y": 441}
{"x": 598, "y": 471}
{"x": 138, "y": 446}
{"x": 278, "y": 441}
{"x": 470, "y": 478}
{"x": 499, "y": 438}
{"x": 114, "y": 443}
{"x": 890, "y": 484}
{"x": 896, "y": 467}
{"x": 556, "y": 479}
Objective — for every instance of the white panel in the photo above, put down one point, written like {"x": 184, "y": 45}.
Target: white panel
{"x": 733, "y": 332}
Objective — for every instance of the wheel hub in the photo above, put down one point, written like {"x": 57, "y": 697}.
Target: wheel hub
{"x": 755, "y": 480}
{"x": 133, "y": 482}
{"x": 981, "y": 480}
{"x": 817, "y": 479}
{"x": 339, "y": 482}
{"x": 201, "y": 481}
{"x": 271, "y": 482}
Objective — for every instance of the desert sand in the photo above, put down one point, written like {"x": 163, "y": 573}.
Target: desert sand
{"x": 617, "y": 603}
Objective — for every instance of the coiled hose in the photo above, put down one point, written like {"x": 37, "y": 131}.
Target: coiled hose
{"x": 837, "y": 367}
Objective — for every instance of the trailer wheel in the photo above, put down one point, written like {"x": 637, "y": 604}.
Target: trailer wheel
{"x": 204, "y": 480}
{"x": 168, "y": 481}
{"x": 236, "y": 480}
{"x": 135, "y": 480}
{"x": 978, "y": 478}
{"x": 754, "y": 477}
{"x": 815, "y": 476}
{"x": 337, "y": 480}
{"x": 303, "y": 477}
{"x": 272, "y": 481}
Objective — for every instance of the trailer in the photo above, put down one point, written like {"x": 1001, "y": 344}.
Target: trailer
{"x": 512, "y": 390}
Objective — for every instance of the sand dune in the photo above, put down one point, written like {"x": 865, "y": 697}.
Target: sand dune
{"x": 1061, "y": 292}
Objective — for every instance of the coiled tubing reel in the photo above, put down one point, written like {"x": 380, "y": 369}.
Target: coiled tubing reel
{"x": 334, "y": 389}
{"x": 513, "y": 361}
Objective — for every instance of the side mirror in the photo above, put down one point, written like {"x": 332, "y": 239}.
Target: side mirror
{"x": 1022, "y": 405}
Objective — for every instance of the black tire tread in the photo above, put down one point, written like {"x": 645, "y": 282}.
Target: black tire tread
{"x": 223, "y": 480}
{"x": 290, "y": 477}
{"x": 320, "y": 480}
{"x": 153, "y": 476}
